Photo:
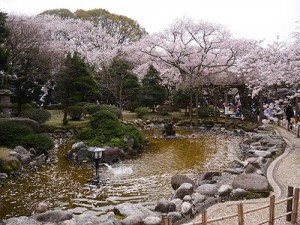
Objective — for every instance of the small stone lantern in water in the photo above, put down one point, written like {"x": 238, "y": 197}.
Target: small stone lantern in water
{"x": 168, "y": 130}
{"x": 97, "y": 155}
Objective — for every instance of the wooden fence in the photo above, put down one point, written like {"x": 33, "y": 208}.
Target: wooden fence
{"x": 292, "y": 204}
{"x": 295, "y": 128}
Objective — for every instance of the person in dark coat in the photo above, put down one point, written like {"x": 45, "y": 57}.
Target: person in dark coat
{"x": 289, "y": 112}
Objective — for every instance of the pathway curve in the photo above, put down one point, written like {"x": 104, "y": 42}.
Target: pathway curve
{"x": 283, "y": 172}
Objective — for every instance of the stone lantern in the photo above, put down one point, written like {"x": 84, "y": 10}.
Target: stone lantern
{"x": 5, "y": 103}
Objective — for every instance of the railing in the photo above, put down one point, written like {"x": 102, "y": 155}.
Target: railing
{"x": 295, "y": 128}
{"x": 292, "y": 205}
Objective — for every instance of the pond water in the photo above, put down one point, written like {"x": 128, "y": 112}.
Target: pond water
{"x": 144, "y": 179}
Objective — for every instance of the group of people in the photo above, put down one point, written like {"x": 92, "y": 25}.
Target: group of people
{"x": 278, "y": 109}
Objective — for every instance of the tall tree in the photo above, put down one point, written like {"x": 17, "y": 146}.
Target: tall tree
{"x": 75, "y": 83}
{"x": 118, "y": 80}
{"x": 30, "y": 61}
{"x": 4, "y": 53}
{"x": 152, "y": 92}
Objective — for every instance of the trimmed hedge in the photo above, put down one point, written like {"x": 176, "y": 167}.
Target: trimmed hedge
{"x": 39, "y": 115}
{"x": 76, "y": 112}
{"x": 93, "y": 108}
{"x": 12, "y": 135}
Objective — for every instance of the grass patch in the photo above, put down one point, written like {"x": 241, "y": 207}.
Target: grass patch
{"x": 57, "y": 116}
{"x": 4, "y": 152}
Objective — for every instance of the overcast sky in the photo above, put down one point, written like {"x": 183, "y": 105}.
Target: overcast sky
{"x": 258, "y": 19}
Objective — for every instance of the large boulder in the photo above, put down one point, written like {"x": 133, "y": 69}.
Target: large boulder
{"x": 112, "y": 155}
{"x": 54, "y": 216}
{"x": 179, "y": 179}
{"x": 132, "y": 220}
{"x": 165, "y": 206}
{"x": 251, "y": 182}
{"x": 183, "y": 190}
{"x": 207, "y": 189}
{"x": 10, "y": 164}
{"x": 129, "y": 209}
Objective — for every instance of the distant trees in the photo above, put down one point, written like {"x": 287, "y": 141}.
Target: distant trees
{"x": 152, "y": 92}
{"x": 122, "y": 28}
{"x": 118, "y": 80}
{"x": 75, "y": 82}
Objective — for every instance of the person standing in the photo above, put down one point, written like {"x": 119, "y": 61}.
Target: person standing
{"x": 289, "y": 112}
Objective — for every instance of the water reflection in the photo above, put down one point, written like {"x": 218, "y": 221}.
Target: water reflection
{"x": 144, "y": 179}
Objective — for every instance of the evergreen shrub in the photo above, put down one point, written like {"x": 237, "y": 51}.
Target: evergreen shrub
{"x": 39, "y": 115}
{"x": 76, "y": 112}
{"x": 141, "y": 111}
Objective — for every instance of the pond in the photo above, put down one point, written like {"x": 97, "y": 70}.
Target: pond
{"x": 144, "y": 179}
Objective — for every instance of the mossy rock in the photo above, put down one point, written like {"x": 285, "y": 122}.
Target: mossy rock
{"x": 9, "y": 164}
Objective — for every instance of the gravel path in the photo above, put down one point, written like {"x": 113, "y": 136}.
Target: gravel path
{"x": 283, "y": 172}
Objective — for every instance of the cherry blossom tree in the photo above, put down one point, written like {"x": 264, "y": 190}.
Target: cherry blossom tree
{"x": 194, "y": 51}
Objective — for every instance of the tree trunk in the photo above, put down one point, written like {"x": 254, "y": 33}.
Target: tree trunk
{"x": 65, "y": 119}
{"x": 226, "y": 105}
{"x": 246, "y": 103}
{"x": 216, "y": 102}
{"x": 297, "y": 109}
{"x": 261, "y": 109}
{"x": 197, "y": 109}
{"x": 191, "y": 108}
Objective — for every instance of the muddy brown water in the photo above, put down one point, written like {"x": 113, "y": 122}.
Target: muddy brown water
{"x": 144, "y": 179}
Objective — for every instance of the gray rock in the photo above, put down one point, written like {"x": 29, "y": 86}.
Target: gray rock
{"x": 264, "y": 154}
{"x": 198, "y": 198}
{"x": 78, "y": 145}
{"x": 224, "y": 190}
{"x": 187, "y": 198}
{"x": 208, "y": 175}
{"x": 152, "y": 220}
{"x": 178, "y": 179}
{"x": 234, "y": 171}
{"x": 183, "y": 190}
{"x": 132, "y": 220}
{"x": 25, "y": 159}
{"x": 186, "y": 208}
{"x": 20, "y": 150}
{"x": 3, "y": 175}
{"x": 178, "y": 202}
{"x": 165, "y": 206}
{"x": 207, "y": 189}
{"x": 54, "y": 216}
{"x": 175, "y": 216}
{"x": 239, "y": 192}
{"x": 251, "y": 182}
{"x": 128, "y": 209}
{"x": 22, "y": 220}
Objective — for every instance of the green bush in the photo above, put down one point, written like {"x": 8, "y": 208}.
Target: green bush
{"x": 82, "y": 104}
{"x": 93, "y": 108}
{"x": 105, "y": 129}
{"x": 86, "y": 134}
{"x": 131, "y": 106}
{"x": 39, "y": 115}
{"x": 76, "y": 112}
{"x": 164, "y": 109}
{"x": 11, "y": 133}
{"x": 205, "y": 111}
{"x": 141, "y": 111}
{"x": 133, "y": 132}
{"x": 39, "y": 142}
{"x": 25, "y": 106}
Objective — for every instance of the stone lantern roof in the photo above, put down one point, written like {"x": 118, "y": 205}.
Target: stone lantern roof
{"x": 5, "y": 92}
